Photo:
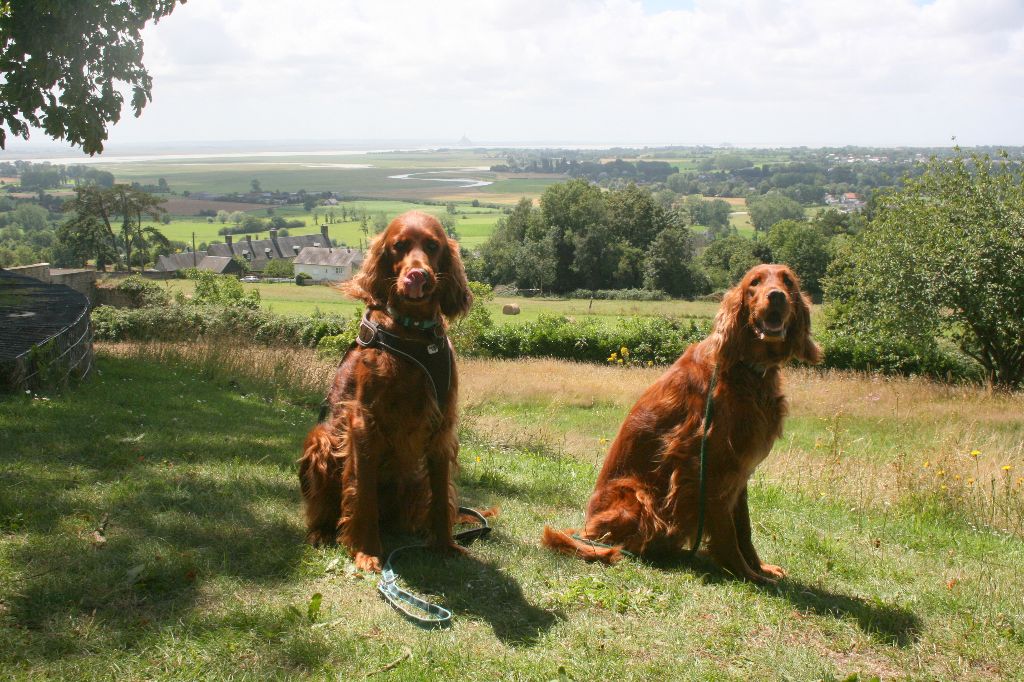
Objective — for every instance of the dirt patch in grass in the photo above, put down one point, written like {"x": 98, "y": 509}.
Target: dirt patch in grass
{"x": 185, "y": 206}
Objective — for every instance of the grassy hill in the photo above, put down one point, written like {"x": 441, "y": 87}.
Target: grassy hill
{"x": 150, "y": 528}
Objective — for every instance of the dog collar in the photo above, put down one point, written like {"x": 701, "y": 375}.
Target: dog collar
{"x": 412, "y": 322}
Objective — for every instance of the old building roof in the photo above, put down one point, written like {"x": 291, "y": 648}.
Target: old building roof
{"x": 340, "y": 256}
{"x": 179, "y": 261}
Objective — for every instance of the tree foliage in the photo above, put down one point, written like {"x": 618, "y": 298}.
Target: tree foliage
{"x": 943, "y": 260}
{"x": 63, "y": 61}
{"x": 104, "y": 219}
{"x": 769, "y": 209}
{"x": 803, "y": 247}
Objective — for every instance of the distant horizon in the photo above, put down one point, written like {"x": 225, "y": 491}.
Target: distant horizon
{"x": 58, "y": 152}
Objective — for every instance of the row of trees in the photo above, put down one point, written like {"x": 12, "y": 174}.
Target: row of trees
{"x": 583, "y": 238}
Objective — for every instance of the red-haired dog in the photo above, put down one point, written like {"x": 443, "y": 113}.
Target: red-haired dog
{"x": 646, "y": 497}
{"x": 386, "y": 448}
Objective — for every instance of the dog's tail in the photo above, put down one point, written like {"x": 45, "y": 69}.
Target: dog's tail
{"x": 564, "y": 542}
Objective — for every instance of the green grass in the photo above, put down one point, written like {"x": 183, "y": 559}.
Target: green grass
{"x": 150, "y": 529}
{"x": 289, "y": 299}
{"x": 473, "y": 225}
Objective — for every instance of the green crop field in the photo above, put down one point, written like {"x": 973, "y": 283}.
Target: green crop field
{"x": 472, "y": 224}
{"x": 150, "y": 528}
{"x": 290, "y": 299}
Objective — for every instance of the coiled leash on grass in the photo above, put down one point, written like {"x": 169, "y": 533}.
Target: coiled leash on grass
{"x": 709, "y": 410}
{"x": 419, "y": 611}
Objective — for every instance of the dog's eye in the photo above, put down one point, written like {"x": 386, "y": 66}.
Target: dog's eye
{"x": 401, "y": 246}
{"x": 754, "y": 282}
{"x": 787, "y": 280}
{"x": 430, "y": 247}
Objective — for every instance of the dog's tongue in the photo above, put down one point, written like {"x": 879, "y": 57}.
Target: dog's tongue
{"x": 414, "y": 284}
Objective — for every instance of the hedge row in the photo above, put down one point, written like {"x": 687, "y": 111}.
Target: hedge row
{"x": 188, "y": 322}
{"x": 646, "y": 340}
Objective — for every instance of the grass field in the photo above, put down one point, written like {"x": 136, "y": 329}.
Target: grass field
{"x": 473, "y": 224}
{"x": 150, "y": 529}
{"x": 289, "y": 299}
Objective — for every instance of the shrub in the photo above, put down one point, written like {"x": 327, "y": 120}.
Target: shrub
{"x": 621, "y": 294}
{"x": 651, "y": 340}
{"x": 142, "y": 291}
{"x": 279, "y": 267}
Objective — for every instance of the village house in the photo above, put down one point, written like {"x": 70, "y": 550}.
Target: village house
{"x": 256, "y": 252}
{"x": 328, "y": 264}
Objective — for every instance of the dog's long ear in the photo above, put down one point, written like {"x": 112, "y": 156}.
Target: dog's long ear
{"x": 804, "y": 346}
{"x": 729, "y": 325}
{"x": 372, "y": 282}
{"x": 456, "y": 298}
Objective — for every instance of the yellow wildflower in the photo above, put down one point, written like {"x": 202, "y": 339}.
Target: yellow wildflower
{"x": 620, "y": 361}
{"x": 940, "y": 472}
{"x": 970, "y": 481}
{"x": 624, "y": 351}
{"x": 975, "y": 453}
{"x": 956, "y": 477}
{"x": 927, "y": 464}
{"x": 943, "y": 486}
{"x": 603, "y": 441}
{"x": 1007, "y": 467}
{"x": 650, "y": 363}
{"x": 478, "y": 458}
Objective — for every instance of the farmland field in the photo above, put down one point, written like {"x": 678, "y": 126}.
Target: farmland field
{"x": 289, "y": 299}
{"x": 472, "y": 224}
{"x": 171, "y": 546}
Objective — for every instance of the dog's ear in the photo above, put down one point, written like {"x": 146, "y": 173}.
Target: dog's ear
{"x": 456, "y": 298}
{"x": 372, "y": 282}
{"x": 804, "y": 347}
{"x": 729, "y": 324}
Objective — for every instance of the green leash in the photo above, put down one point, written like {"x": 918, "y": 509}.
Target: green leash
{"x": 419, "y": 611}
{"x": 701, "y": 495}
{"x": 709, "y": 410}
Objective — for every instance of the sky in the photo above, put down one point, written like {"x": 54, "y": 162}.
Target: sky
{"x": 742, "y": 72}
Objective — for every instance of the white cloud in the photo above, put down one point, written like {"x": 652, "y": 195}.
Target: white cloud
{"x": 748, "y": 71}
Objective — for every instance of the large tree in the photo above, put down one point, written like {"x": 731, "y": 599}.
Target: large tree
{"x": 669, "y": 264}
{"x": 769, "y": 209}
{"x": 64, "y": 62}
{"x": 102, "y": 215}
{"x": 942, "y": 259}
{"x": 803, "y": 247}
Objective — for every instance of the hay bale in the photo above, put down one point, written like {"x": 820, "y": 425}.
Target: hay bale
{"x": 510, "y": 309}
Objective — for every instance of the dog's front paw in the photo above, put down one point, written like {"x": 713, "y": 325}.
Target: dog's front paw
{"x": 773, "y": 571}
{"x": 366, "y": 562}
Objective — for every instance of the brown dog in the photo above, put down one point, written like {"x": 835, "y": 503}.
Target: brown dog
{"x": 646, "y": 497}
{"x": 387, "y": 451}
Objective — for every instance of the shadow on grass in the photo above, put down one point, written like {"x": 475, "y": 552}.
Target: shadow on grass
{"x": 122, "y": 497}
{"x": 887, "y": 623}
{"x": 475, "y": 588}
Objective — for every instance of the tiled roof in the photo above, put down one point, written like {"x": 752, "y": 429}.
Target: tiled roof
{"x": 312, "y": 255}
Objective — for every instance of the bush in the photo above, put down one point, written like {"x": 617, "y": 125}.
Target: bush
{"x": 190, "y": 322}
{"x": 650, "y": 340}
{"x": 142, "y": 291}
{"x": 279, "y": 267}
{"x": 621, "y": 294}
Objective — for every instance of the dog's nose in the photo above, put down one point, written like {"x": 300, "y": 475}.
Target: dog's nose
{"x": 416, "y": 276}
{"x": 777, "y": 297}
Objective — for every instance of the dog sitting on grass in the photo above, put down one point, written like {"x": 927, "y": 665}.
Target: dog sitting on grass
{"x": 646, "y": 499}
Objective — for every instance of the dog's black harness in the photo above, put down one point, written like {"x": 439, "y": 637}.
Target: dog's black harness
{"x": 432, "y": 354}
